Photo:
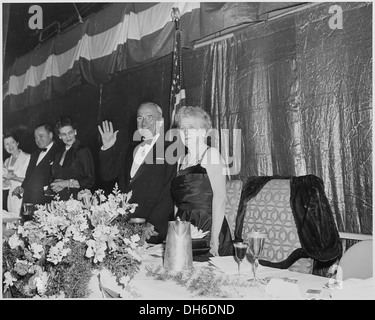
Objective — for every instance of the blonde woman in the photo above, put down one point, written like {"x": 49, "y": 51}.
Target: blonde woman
{"x": 14, "y": 171}
{"x": 199, "y": 188}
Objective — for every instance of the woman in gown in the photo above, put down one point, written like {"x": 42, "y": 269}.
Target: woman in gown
{"x": 199, "y": 188}
{"x": 73, "y": 168}
{"x": 14, "y": 171}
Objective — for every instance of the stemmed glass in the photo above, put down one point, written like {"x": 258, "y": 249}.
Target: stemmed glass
{"x": 240, "y": 251}
{"x": 255, "y": 244}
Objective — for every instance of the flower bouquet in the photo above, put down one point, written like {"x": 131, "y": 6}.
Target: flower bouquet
{"x": 55, "y": 254}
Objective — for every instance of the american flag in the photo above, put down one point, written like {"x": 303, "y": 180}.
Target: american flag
{"x": 177, "y": 98}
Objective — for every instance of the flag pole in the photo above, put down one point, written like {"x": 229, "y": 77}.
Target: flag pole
{"x": 176, "y": 71}
{"x": 177, "y": 92}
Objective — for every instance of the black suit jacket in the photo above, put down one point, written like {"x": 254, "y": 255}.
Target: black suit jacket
{"x": 150, "y": 185}
{"x": 37, "y": 176}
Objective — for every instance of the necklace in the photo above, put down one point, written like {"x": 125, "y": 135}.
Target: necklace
{"x": 192, "y": 159}
{"x": 15, "y": 156}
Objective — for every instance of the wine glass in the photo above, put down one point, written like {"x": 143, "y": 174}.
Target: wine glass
{"x": 255, "y": 244}
{"x": 240, "y": 251}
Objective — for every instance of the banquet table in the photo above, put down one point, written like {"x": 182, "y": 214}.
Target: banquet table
{"x": 280, "y": 284}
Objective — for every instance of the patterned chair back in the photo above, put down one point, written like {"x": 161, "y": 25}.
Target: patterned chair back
{"x": 270, "y": 210}
{"x": 234, "y": 188}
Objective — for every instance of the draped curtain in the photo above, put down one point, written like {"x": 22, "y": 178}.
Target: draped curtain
{"x": 300, "y": 93}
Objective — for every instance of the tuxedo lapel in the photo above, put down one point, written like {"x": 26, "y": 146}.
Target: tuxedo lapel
{"x": 150, "y": 159}
{"x": 34, "y": 159}
{"x": 128, "y": 163}
{"x": 50, "y": 155}
{"x": 144, "y": 164}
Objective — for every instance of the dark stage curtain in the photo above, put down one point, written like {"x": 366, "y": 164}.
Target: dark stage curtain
{"x": 301, "y": 94}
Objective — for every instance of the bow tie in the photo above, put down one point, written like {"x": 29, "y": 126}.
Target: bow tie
{"x": 144, "y": 142}
{"x": 42, "y": 149}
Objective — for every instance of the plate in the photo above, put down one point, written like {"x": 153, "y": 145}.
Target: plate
{"x": 199, "y": 243}
{"x": 200, "y": 251}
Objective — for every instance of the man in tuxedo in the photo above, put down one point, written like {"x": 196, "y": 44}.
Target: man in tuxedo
{"x": 142, "y": 168}
{"x": 39, "y": 170}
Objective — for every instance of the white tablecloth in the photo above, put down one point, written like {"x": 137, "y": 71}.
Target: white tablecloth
{"x": 280, "y": 285}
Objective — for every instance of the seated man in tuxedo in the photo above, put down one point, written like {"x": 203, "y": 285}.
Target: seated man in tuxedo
{"x": 142, "y": 168}
{"x": 39, "y": 170}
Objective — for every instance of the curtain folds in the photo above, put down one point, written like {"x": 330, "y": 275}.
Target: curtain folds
{"x": 301, "y": 95}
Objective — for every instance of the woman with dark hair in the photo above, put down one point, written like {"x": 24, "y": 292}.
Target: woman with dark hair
{"x": 14, "y": 171}
{"x": 73, "y": 168}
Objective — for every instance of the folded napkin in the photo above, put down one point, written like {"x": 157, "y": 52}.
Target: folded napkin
{"x": 281, "y": 289}
{"x": 156, "y": 250}
{"x": 229, "y": 265}
{"x": 197, "y": 233}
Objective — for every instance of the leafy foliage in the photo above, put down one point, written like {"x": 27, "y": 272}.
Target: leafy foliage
{"x": 202, "y": 282}
{"x": 55, "y": 255}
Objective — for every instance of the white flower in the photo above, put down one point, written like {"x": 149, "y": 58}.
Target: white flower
{"x": 90, "y": 248}
{"x": 14, "y": 241}
{"x": 57, "y": 253}
{"x": 73, "y": 205}
{"x": 121, "y": 211}
{"x": 60, "y": 295}
{"x": 96, "y": 249}
{"x": 21, "y": 230}
{"x": 135, "y": 238}
{"x": 133, "y": 206}
{"x": 125, "y": 280}
{"x": 77, "y": 236}
{"x": 127, "y": 196}
{"x": 134, "y": 254}
{"x": 41, "y": 283}
{"x": 102, "y": 197}
{"x": 132, "y": 242}
{"x": 8, "y": 280}
{"x": 36, "y": 249}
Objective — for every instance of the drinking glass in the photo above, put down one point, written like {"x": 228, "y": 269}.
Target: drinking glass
{"x": 6, "y": 182}
{"x": 48, "y": 192}
{"x": 255, "y": 244}
{"x": 28, "y": 210}
{"x": 240, "y": 251}
{"x": 139, "y": 225}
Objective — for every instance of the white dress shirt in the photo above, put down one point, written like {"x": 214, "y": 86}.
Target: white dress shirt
{"x": 140, "y": 154}
{"x": 43, "y": 153}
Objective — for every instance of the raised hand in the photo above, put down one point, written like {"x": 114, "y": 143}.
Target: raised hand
{"x": 108, "y": 135}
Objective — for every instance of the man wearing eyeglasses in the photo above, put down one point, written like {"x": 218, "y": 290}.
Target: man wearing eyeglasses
{"x": 142, "y": 169}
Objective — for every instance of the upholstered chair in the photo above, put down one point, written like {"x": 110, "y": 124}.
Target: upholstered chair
{"x": 289, "y": 208}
